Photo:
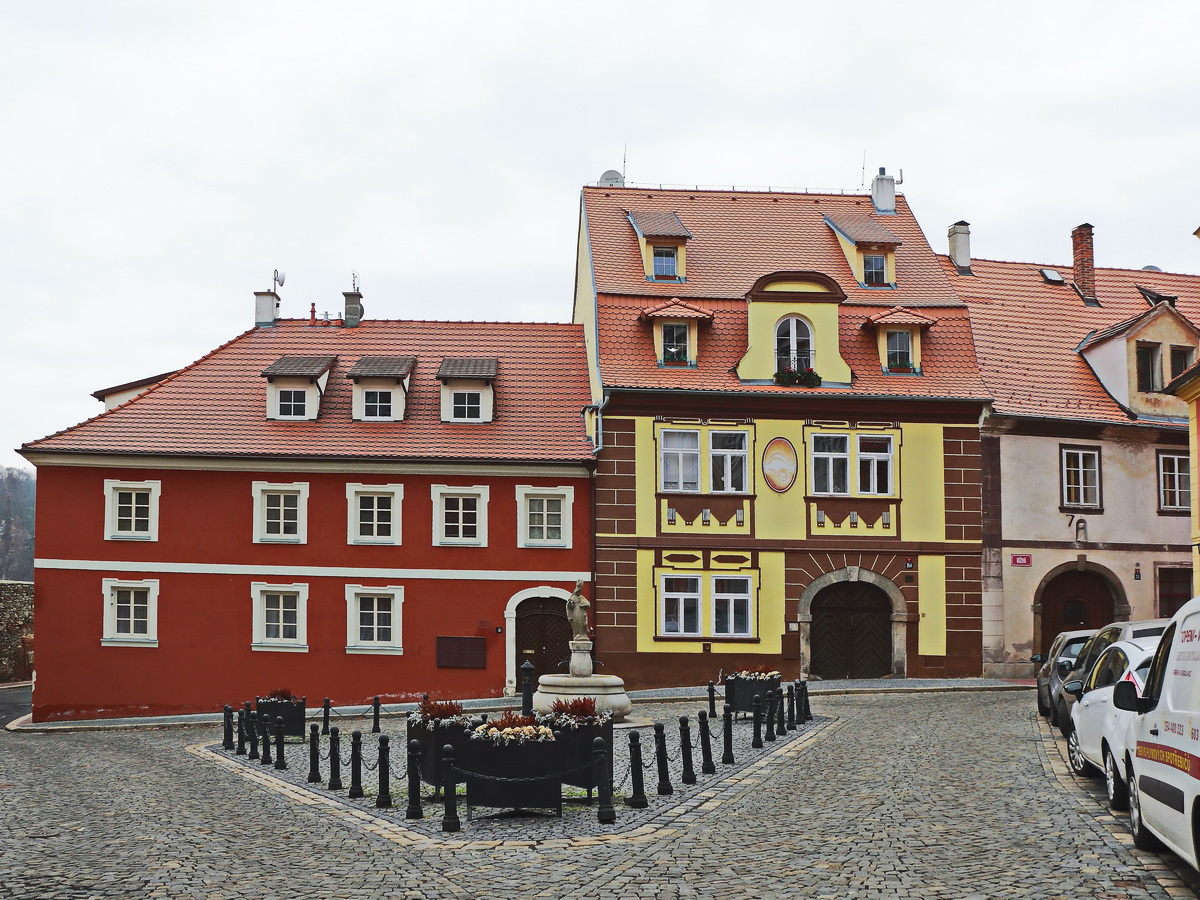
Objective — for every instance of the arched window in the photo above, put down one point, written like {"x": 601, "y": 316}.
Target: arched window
{"x": 793, "y": 345}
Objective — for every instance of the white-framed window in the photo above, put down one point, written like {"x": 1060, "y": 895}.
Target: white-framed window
{"x": 465, "y": 405}
{"x": 377, "y": 404}
{"x": 874, "y": 464}
{"x": 680, "y": 460}
{"x": 793, "y": 345}
{"x": 131, "y": 510}
{"x": 665, "y": 262}
{"x": 1174, "y": 482}
{"x": 460, "y": 515}
{"x": 292, "y": 404}
{"x": 280, "y": 512}
{"x": 373, "y": 619}
{"x": 680, "y": 611}
{"x": 280, "y": 617}
{"x": 899, "y": 349}
{"x": 373, "y": 513}
{"x": 874, "y": 268}
{"x": 544, "y": 516}
{"x": 378, "y": 399}
{"x": 293, "y": 399}
{"x": 1080, "y": 477}
{"x": 1148, "y": 358}
{"x": 728, "y": 461}
{"x": 675, "y": 342}
{"x": 830, "y": 464}
{"x": 467, "y": 400}
{"x": 732, "y": 607}
{"x": 130, "y": 613}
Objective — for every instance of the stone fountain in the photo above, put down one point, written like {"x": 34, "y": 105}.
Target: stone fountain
{"x": 607, "y": 690}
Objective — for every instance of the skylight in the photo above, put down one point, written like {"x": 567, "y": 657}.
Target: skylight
{"x": 1052, "y": 276}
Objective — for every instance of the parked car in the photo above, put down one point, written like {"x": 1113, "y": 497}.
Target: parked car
{"x": 1109, "y": 634}
{"x": 1055, "y": 664}
{"x": 1162, "y": 757}
{"x": 1097, "y": 739}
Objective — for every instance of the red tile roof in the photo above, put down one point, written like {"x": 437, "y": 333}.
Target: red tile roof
{"x": 217, "y": 405}
{"x": 1027, "y": 332}
{"x": 898, "y": 315}
{"x": 739, "y": 236}
{"x": 659, "y": 224}
{"x": 863, "y": 229}
{"x": 677, "y": 309}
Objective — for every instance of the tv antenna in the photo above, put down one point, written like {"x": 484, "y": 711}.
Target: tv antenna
{"x": 278, "y": 280}
{"x": 354, "y": 282}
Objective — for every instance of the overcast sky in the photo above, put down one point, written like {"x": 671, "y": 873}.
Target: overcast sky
{"x": 159, "y": 160}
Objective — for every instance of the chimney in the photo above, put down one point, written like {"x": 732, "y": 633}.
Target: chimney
{"x": 883, "y": 193}
{"x": 960, "y": 246}
{"x": 266, "y": 307}
{"x": 1084, "y": 261}
{"x": 353, "y": 308}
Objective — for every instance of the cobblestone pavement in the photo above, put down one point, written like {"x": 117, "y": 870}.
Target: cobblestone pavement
{"x": 938, "y": 795}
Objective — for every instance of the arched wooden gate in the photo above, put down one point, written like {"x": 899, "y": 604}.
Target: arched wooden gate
{"x": 542, "y": 636}
{"x": 851, "y": 631}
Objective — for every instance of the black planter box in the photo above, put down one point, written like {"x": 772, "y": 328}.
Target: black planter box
{"x": 535, "y": 763}
{"x": 575, "y": 753}
{"x": 740, "y": 692}
{"x": 432, "y": 740}
{"x": 292, "y": 712}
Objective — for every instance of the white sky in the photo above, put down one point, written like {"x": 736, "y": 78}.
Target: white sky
{"x": 160, "y": 159}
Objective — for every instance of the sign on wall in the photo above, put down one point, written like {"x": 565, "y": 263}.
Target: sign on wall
{"x": 1021, "y": 559}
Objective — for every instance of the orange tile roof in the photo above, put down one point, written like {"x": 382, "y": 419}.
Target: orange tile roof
{"x": 863, "y": 229}
{"x": 217, "y": 405}
{"x": 1027, "y": 332}
{"x": 677, "y": 309}
{"x": 898, "y": 315}
{"x": 739, "y": 236}
{"x": 627, "y": 357}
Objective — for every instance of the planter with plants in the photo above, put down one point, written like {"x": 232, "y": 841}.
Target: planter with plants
{"x": 436, "y": 723}
{"x": 282, "y": 703}
{"x": 798, "y": 377}
{"x": 576, "y": 725}
{"x": 741, "y": 687}
{"x": 512, "y": 762}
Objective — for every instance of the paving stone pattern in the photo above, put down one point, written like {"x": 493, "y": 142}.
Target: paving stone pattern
{"x": 901, "y": 795}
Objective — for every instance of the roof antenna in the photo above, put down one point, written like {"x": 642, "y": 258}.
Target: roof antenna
{"x": 354, "y": 282}
{"x": 277, "y": 281}
{"x": 625, "y": 155}
{"x": 863, "y": 182}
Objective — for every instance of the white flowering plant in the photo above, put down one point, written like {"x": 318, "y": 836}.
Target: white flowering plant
{"x": 758, "y": 674}
{"x": 512, "y": 728}
{"x": 440, "y": 714}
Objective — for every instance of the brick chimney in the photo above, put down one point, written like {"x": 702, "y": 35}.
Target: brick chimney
{"x": 960, "y": 246}
{"x": 1084, "y": 261}
{"x": 353, "y": 308}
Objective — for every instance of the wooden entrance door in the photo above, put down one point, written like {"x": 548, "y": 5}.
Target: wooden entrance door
{"x": 1074, "y": 601}
{"x": 851, "y": 631}
{"x": 543, "y": 633}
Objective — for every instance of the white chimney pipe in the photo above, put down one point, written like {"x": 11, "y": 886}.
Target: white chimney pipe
{"x": 266, "y": 307}
{"x": 960, "y": 246}
{"x": 883, "y": 193}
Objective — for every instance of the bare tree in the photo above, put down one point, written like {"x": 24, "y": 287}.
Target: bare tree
{"x": 17, "y": 488}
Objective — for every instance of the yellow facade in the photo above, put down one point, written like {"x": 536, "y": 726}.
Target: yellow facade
{"x": 793, "y": 300}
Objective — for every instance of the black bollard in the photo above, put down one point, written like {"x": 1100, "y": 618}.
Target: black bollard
{"x": 769, "y": 734}
{"x": 314, "y": 754}
{"x": 527, "y": 688}
{"x": 806, "y": 715}
{"x": 685, "y": 750}
{"x": 780, "y": 730}
{"x": 707, "y": 766}
{"x": 356, "y": 790}
{"x": 727, "y": 735}
{"x": 450, "y": 790}
{"x": 252, "y": 725}
{"x": 280, "y": 759}
{"x": 605, "y": 813}
{"x": 241, "y": 732}
{"x": 660, "y": 754}
{"x": 712, "y": 700}
{"x": 791, "y": 712}
{"x": 383, "y": 800}
{"x": 227, "y": 728}
{"x": 756, "y": 706}
{"x": 413, "y": 810}
{"x": 636, "y": 799}
{"x": 267, "y": 728}
{"x": 325, "y": 708}
{"x": 335, "y": 759}
{"x": 375, "y": 714}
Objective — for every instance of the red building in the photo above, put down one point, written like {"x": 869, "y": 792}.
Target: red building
{"x": 341, "y": 509}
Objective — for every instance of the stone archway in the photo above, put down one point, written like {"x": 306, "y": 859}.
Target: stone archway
{"x": 1076, "y": 591}
{"x": 895, "y": 597}
{"x": 510, "y": 629}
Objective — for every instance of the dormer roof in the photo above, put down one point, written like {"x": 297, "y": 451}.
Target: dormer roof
{"x": 382, "y": 367}
{"x": 658, "y": 223}
{"x": 468, "y": 367}
{"x": 862, "y": 230}
{"x": 898, "y": 315}
{"x": 299, "y": 366}
{"x": 1128, "y": 326}
{"x": 677, "y": 309}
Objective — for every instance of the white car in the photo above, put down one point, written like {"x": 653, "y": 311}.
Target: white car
{"x": 1098, "y": 728}
{"x": 1162, "y": 759}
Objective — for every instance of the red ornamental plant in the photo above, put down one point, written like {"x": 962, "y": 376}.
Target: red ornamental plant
{"x": 511, "y": 719}
{"x": 580, "y": 707}
{"x": 282, "y": 694}
{"x": 439, "y": 709}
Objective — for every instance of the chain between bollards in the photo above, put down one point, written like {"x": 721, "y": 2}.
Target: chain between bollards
{"x": 413, "y": 810}
{"x": 335, "y": 758}
{"x": 637, "y": 797}
{"x": 383, "y": 800}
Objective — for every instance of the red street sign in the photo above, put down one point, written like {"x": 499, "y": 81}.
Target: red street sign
{"x": 1021, "y": 559}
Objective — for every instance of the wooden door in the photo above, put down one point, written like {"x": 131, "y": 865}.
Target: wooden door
{"x": 1074, "y": 601}
{"x": 851, "y": 632}
{"x": 543, "y": 633}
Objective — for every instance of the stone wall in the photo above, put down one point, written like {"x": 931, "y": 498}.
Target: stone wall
{"x": 16, "y": 630}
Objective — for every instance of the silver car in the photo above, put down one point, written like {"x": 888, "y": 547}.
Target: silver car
{"x": 1055, "y": 664}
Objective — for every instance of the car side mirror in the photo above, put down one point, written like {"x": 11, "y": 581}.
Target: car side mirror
{"x": 1065, "y": 666}
{"x": 1037, "y": 658}
{"x": 1125, "y": 696}
{"x": 1074, "y": 688}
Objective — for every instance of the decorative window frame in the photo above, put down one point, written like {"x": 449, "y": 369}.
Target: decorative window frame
{"x": 111, "y": 487}
{"x": 698, "y": 595}
{"x": 849, "y": 456}
{"x": 260, "y": 490}
{"x": 439, "y": 493}
{"x": 793, "y": 343}
{"x": 714, "y": 453}
{"x": 312, "y": 400}
{"x": 353, "y": 490}
{"x": 1182, "y": 459}
{"x": 890, "y": 457}
{"x": 481, "y": 386}
{"x": 354, "y": 645}
{"x": 110, "y": 637}
{"x": 663, "y": 450}
{"x": 749, "y": 597}
{"x": 258, "y": 638}
{"x": 1064, "y": 504}
{"x": 566, "y": 493}
{"x": 358, "y": 398}
{"x": 670, "y": 349}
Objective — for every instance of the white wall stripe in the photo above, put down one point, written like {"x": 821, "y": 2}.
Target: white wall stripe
{"x": 99, "y": 565}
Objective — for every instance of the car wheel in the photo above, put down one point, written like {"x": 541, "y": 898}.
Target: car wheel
{"x": 1118, "y": 791}
{"x": 1079, "y": 764}
{"x": 1142, "y": 839}
{"x": 1043, "y": 706}
{"x": 1062, "y": 719}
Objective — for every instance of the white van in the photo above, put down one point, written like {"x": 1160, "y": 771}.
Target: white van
{"x": 1162, "y": 759}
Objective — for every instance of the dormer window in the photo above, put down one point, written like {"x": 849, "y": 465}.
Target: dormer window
{"x": 1181, "y": 360}
{"x": 898, "y": 332}
{"x": 899, "y": 349}
{"x": 380, "y": 391}
{"x": 874, "y": 268}
{"x": 295, "y": 385}
{"x": 664, "y": 262}
{"x": 662, "y": 239}
{"x": 674, "y": 343}
{"x": 467, "y": 392}
{"x": 1149, "y": 367}
{"x": 869, "y": 247}
{"x": 793, "y": 345}
{"x": 674, "y": 334}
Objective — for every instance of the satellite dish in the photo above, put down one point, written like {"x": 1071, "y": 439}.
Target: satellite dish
{"x": 279, "y": 277}
{"x": 612, "y": 178}
{"x": 1151, "y": 269}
